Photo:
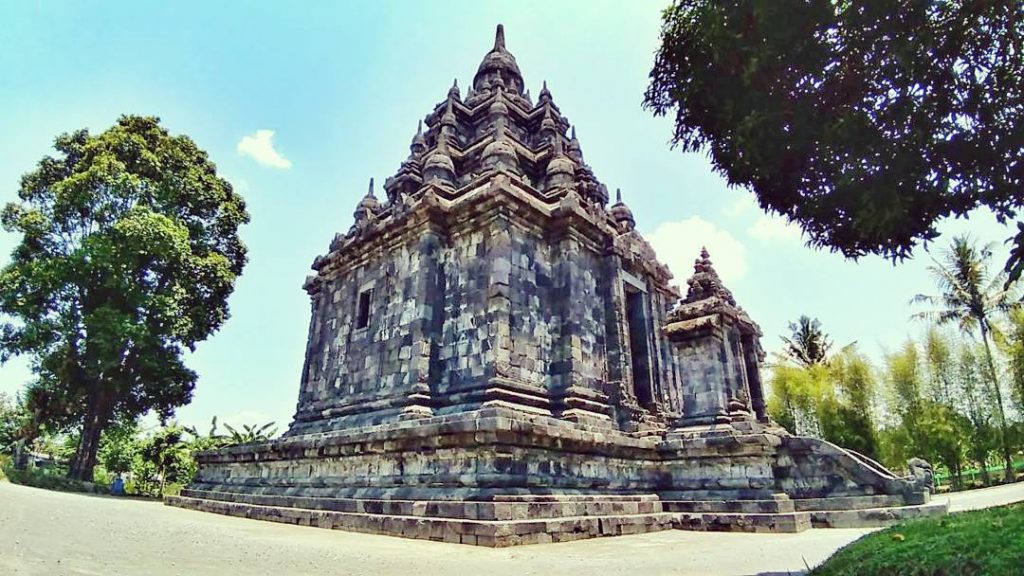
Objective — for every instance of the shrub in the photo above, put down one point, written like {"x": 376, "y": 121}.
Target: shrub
{"x": 54, "y": 478}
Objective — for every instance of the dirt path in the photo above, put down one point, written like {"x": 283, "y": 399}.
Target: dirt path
{"x": 44, "y": 532}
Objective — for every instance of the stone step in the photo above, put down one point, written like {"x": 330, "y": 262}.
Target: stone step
{"x": 875, "y": 517}
{"x": 848, "y": 503}
{"x": 510, "y": 507}
{"x": 736, "y": 506}
{"x": 499, "y": 533}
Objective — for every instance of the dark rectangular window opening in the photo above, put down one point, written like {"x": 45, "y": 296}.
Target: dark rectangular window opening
{"x": 363, "y": 309}
{"x": 636, "y": 320}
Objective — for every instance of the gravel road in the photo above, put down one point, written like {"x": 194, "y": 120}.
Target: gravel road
{"x": 43, "y": 532}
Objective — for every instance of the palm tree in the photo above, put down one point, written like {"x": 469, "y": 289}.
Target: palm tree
{"x": 971, "y": 297}
{"x": 807, "y": 344}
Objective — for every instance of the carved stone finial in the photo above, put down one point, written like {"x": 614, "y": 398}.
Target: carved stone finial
{"x": 499, "y": 38}
{"x": 367, "y": 206}
{"x": 438, "y": 164}
{"x": 705, "y": 282}
{"x": 419, "y": 143}
{"x": 498, "y": 67}
{"x": 545, "y": 94}
{"x": 622, "y": 214}
{"x": 448, "y": 118}
{"x": 454, "y": 92}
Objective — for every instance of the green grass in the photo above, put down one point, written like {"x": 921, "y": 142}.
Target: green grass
{"x": 978, "y": 542}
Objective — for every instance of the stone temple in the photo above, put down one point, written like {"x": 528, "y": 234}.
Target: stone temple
{"x": 496, "y": 357}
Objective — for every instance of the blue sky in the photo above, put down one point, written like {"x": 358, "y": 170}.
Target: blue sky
{"x": 341, "y": 86}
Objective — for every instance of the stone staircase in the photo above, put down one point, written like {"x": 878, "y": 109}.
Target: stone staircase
{"x": 535, "y": 519}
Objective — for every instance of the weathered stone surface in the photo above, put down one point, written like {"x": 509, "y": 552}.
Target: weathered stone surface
{"x": 496, "y": 357}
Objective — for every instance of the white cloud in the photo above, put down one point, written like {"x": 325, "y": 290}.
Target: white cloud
{"x": 260, "y": 147}
{"x": 742, "y": 206}
{"x": 678, "y": 244}
{"x": 774, "y": 228}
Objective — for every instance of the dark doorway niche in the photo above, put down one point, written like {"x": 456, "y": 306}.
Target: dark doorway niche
{"x": 639, "y": 350}
{"x": 363, "y": 309}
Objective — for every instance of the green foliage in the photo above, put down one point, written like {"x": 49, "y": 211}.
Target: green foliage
{"x": 796, "y": 392}
{"x": 129, "y": 250}
{"x": 1014, "y": 346}
{"x": 209, "y": 441}
{"x": 864, "y": 122}
{"x": 807, "y": 343}
{"x": 971, "y": 297}
{"x": 832, "y": 400}
{"x": 251, "y": 433}
{"x": 164, "y": 457}
{"x": 49, "y": 479}
{"x": 119, "y": 448}
{"x": 978, "y": 542}
{"x": 12, "y": 422}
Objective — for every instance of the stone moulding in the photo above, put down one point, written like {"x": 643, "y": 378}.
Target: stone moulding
{"x": 499, "y": 477}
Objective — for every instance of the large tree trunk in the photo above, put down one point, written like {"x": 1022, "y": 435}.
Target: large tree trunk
{"x": 1003, "y": 432}
{"x": 95, "y": 422}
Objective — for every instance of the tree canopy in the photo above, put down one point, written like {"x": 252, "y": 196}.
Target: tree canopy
{"x": 971, "y": 297}
{"x": 129, "y": 250}
{"x": 807, "y": 343}
{"x": 863, "y": 122}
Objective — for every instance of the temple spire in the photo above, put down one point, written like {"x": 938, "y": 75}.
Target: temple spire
{"x": 419, "y": 143}
{"x": 705, "y": 282}
{"x": 367, "y": 206}
{"x": 499, "y": 38}
{"x": 621, "y": 213}
{"x": 498, "y": 67}
{"x": 575, "y": 152}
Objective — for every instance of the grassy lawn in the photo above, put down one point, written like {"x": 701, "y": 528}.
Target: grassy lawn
{"x": 978, "y": 542}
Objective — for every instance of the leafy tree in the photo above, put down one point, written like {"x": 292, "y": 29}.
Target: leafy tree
{"x": 981, "y": 436}
{"x": 12, "y": 422}
{"x": 119, "y": 447}
{"x": 807, "y": 344}
{"x": 208, "y": 441}
{"x": 1015, "y": 355}
{"x": 166, "y": 457}
{"x": 796, "y": 394}
{"x": 864, "y": 122}
{"x": 971, "y": 297}
{"x": 129, "y": 251}
{"x": 833, "y": 401}
{"x": 251, "y": 433}
{"x": 247, "y": 435}
{"x": 941, "y": 366}
{"x": 846, "y": 416}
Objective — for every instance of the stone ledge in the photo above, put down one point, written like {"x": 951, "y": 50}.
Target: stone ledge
{"x": 875, "y": 517}
{"x": 501, "y": 533}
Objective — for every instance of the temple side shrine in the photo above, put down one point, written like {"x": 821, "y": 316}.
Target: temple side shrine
{"x": 496, "y": 357}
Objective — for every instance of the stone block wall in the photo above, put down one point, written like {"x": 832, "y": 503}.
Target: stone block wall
{"x": 701, "y": 365}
